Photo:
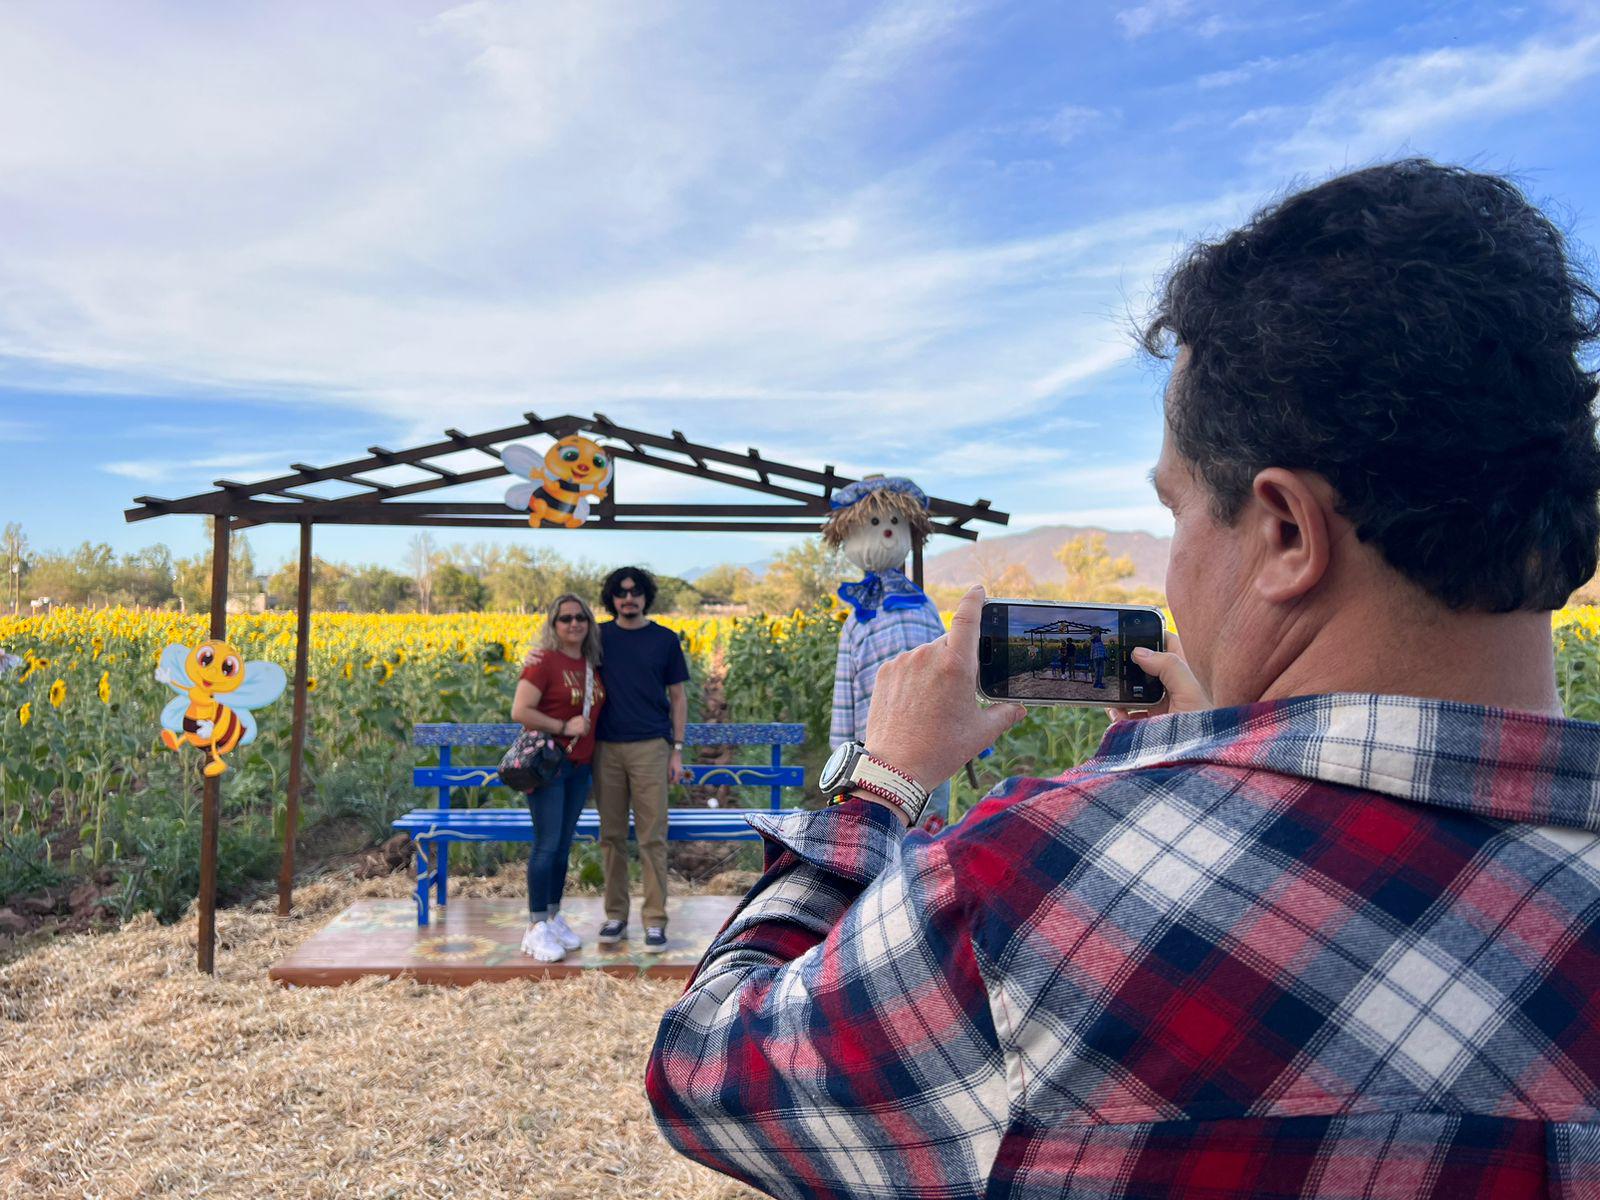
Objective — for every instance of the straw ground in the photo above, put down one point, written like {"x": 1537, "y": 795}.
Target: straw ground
{"x": 129, "y": 1074}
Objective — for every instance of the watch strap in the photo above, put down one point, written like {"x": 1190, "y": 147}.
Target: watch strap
{"x": 889, "y": 784}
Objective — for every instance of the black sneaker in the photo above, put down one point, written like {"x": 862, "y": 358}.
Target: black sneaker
{"x": 655, "y": 939}
{"x": 612, "y": 932}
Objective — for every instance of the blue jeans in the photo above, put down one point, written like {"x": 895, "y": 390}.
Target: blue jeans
{"x": 555, "y": 808}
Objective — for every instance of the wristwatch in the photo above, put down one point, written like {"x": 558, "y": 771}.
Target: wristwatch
{"x": 677, "y": 745}
{"x": 851, "y": 769}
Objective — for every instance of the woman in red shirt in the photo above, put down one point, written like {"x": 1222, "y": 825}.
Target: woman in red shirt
{"x": 550, "y": 696}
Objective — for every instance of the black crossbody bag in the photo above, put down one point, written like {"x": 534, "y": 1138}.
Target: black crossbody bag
{"x": 534, "y": 758}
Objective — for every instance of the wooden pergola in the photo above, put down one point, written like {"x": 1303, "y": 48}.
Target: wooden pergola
{"x": 407, "y": 496}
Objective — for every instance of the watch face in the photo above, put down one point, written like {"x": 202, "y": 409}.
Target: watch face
{"x": 837, "y": 767}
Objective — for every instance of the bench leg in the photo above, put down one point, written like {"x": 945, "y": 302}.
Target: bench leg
{"x": 443, "y": 854}
{"x": 423, "y": 883}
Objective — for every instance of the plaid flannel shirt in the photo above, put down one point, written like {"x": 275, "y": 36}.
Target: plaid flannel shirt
{"x": 1336, "y": 946}
{"x": 864, "y": 646}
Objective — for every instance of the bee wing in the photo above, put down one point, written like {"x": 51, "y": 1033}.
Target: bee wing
{"x": 582, "y": 511}
{"x": 172, "y": 714}
{"x": 248, "y": 721}
{"x": 263, "y": 683}
{"x": 521, "y": 460}
{"x": 174, "y": 664}
{"x": 519, "y": 495}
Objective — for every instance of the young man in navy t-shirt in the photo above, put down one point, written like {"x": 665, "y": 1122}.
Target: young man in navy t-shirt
{"x": 639, "y": 748}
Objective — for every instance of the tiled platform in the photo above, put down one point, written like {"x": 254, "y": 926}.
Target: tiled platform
{"x": 472, "y": 940}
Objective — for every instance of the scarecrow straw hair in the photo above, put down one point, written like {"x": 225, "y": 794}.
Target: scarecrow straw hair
{"x": 883, "y": 503}
{"x": 128, "y": 1073}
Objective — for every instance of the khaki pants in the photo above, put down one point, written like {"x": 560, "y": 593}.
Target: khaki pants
{"x": 633, "y": 773}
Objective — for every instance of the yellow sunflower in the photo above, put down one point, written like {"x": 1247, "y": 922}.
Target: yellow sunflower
{"x": 448, "y": 948}
{"x": 58, "y": 693}
{"x": 25, "y": 714}
{"x": 104, "y": 689}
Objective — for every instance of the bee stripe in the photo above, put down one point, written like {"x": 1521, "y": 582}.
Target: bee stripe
{"x": 565, "y": 506}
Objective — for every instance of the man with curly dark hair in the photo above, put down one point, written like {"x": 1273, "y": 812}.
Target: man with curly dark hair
{"x": 1328, "y": 924}
{"x": 639, "y": 749}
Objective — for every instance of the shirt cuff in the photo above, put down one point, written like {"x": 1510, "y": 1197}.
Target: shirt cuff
{"x": 855, "y": 840}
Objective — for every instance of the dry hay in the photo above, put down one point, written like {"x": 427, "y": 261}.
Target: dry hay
{"x": 128, "y": 1073}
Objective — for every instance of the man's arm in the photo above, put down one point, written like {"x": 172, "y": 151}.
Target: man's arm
{"x": 678, "y": 698}
{"x": 836, "y": 1039}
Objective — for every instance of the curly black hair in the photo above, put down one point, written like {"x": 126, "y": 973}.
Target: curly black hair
{"x": 645, "y": 580}
{"x": 1415, "y": 333}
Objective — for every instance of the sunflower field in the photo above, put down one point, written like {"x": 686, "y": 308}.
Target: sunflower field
{"x": 87, "y": 788}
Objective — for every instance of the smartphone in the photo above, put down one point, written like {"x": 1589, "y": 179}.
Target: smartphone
{"x": 1054, "y": 652}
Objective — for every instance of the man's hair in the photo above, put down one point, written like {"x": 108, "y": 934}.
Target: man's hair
{"x": 645, "y": 580}
{"x": 1413, "y": 333}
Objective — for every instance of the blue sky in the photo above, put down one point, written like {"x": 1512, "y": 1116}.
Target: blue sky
{"x": 901, "y": 237}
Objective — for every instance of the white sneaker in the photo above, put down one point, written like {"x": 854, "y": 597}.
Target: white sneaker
{"x": 563, "y": 933}
{"x": 542, "y": 945}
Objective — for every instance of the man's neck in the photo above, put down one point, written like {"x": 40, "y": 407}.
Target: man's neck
{"x": 1499, "y": 660}
{"x": 638, "y": 622}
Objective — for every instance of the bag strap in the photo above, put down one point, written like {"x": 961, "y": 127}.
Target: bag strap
{"x": 588, "y": 695}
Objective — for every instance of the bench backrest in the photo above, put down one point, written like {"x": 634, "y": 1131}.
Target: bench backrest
{"x": 775, "y": 775}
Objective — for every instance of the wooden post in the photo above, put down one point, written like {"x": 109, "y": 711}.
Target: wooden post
{"x": 916, "y": 565}
{"x": 297, "y": 738}
{"x": 210, "y": 804}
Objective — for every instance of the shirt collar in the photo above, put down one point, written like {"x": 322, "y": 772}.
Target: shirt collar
{"x": 1491, "y": 762}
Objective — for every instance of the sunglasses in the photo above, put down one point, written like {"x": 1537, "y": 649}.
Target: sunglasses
{"x": 569, "y": 618}
{"x": 628, "y": 591}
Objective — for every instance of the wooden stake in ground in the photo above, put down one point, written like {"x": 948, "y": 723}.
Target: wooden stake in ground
{"x": 211, "y": 799}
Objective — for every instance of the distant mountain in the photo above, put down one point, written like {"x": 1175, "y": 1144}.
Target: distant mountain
{"x": 757, "y": 568}
{"x": 973, "y": 562}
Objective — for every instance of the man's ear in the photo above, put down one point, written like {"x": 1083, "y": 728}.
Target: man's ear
{"x": 1290, "y": 512}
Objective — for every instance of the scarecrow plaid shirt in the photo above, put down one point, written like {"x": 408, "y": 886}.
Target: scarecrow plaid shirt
{"x": 864, "y": 646}
{"x": 1338, "y": 946}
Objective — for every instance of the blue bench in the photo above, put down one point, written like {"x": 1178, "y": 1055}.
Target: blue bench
{"x": 433, "y": 829}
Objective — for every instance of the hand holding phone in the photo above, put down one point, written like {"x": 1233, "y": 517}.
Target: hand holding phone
{"x": 925, "y": 719}
{"x": 1056, "y": 652}
{"x": 1184, "y": 693}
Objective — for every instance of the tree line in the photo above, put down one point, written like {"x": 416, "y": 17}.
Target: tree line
{"x": 488, "y": 576}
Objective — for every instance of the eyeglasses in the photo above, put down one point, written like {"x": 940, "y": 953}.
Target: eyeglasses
{"x": 569, "y": 618}
{"x": 628, "y": 591}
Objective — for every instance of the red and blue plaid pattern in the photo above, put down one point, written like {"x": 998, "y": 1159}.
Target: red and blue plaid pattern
{"x": 1338, "y": 946}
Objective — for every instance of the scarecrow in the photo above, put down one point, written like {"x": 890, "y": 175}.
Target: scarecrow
{"x": 876, "y": 522}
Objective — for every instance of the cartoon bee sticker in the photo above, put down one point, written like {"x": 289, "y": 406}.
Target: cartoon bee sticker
{"x": 196, "y": 716}
{"x": 570, "y": 474}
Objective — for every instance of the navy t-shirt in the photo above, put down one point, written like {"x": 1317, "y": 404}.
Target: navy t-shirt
{"x": 637, "y": 666}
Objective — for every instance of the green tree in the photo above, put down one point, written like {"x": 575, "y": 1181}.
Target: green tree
{"x": 1092, "y": 574}
{"x": 191, "y": 577}
{"x": 798, "y": 578}
{"x": 726, "y": 584}
{"x": 327, "y": 583}
{"x": 676, "y": 595}
{"x": 372, "y": 588}
{"x": 14, "y": 552}
{"x": 454, "y": 590}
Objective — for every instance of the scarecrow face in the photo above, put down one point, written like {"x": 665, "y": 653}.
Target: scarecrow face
{"x": 879, "y": 544}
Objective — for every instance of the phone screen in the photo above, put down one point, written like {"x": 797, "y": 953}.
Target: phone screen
{"x": 1067, "y": 653}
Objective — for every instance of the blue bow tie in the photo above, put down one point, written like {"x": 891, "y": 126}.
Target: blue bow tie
{"x": 888, "y": 591}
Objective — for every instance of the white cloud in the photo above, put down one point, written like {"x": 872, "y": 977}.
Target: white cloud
{"x": 1407, "y": 97}
{"x": 12, "y": 432}
{"x": 1070, "y": 122}
{"x": 1144, "y": 18}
